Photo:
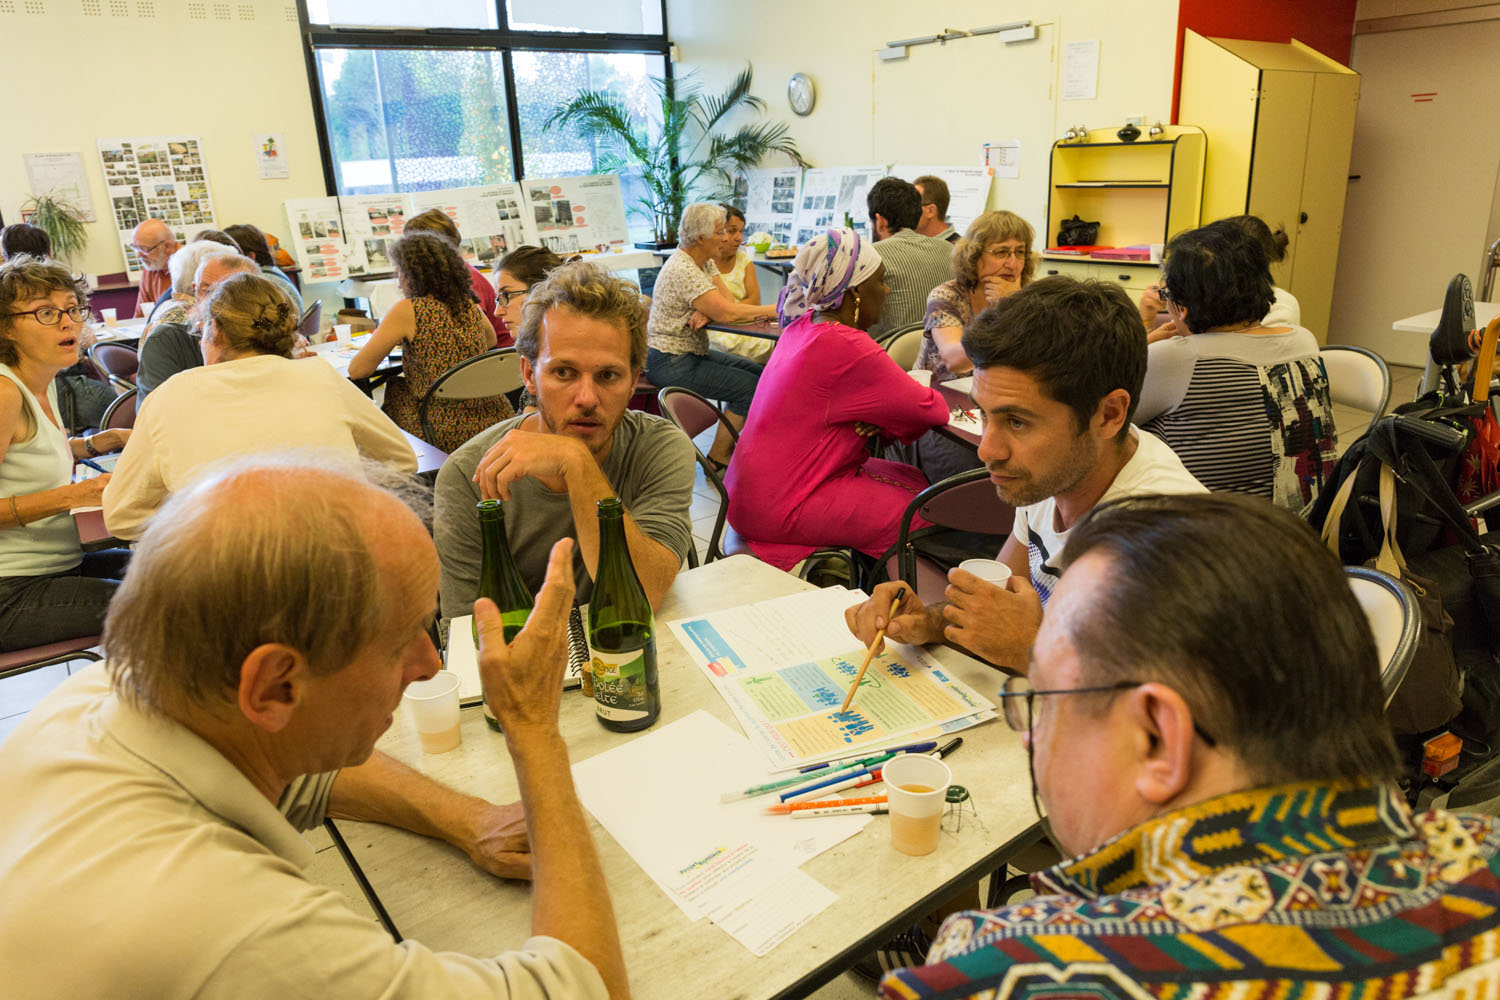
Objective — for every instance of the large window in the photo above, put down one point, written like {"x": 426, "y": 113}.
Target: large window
{"x": 414, "y": 119}
{"x": 456, "y": 93}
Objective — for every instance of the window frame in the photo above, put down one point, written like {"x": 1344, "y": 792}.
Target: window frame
{"x": 503, "y": 40}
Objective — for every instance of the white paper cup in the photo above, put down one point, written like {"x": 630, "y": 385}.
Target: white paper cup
{"x": 1156, "y": 250}
{"x": 922, "y": 376}
{"x": 992, "y": 570}
{"x": 109, "y": 316}
{"x": 916, "y": 787}
{"x": 432, "y": 706}
{"x": 342, "y": 332}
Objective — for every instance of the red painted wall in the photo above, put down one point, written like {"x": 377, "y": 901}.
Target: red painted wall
{"x": 1326, "y": 25}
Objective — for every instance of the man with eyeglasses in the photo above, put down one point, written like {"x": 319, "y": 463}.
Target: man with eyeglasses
{"x": 176, "y": 347}
{"x": 1204, "y": 719}
{"x": 914, "y": 264}
{"x": 153, "y": 244}
{"x": 1058, "y": 368}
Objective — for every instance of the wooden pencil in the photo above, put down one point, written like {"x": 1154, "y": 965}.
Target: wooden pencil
{"x": 870, "y": 653}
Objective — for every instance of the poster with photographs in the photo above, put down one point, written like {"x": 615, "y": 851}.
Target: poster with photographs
{"x": 830, "y": 193}
{"x": 968, "y": 189}
{"x": 156, "y": 177}
{"x": 771, "y": 202}
{"x": 491, "y": 220}
{"x": 372, "y": 222}
{"x": 317, "y": 237}
{"x": 578, "y": 214}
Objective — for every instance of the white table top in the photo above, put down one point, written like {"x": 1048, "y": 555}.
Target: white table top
{"x": 340, "y": 354}
{"x": 125, "y": 329}
{"x": 436, "y": 896}
{"x": 1425, "y": 323}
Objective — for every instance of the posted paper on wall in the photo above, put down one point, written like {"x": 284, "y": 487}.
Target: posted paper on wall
{"x": 578, "y": 214}
{"x": 156, "y": 177}
{"x": 61, "y": 176}
{"x": 771, "y": 202}
{"x": 830, "y": 193}
{"x": 968, "y": 189}
{"x": 1080, "y": 71}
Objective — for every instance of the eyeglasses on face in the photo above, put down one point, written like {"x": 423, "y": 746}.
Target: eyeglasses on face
{"x": 506, "y": 294}
{"x": 1001, "y": 253}
{"x": 51, "y": 315}
{"x": 1023, "y": 712}
{"x": 145, "y": 250}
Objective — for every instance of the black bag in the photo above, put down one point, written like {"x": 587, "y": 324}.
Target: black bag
{"x": 1075, "y": 232}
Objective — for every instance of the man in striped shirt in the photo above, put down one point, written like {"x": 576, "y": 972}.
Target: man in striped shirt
{"x": 914, "y": 264}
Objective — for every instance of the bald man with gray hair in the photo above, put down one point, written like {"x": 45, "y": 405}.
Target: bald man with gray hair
{"x": 263, "y": 638}
{"x": 154, "y": 244}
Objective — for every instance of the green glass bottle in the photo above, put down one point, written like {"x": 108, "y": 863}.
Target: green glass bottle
{"x": 500, "y": 581}
{"x": 622, "y": 634}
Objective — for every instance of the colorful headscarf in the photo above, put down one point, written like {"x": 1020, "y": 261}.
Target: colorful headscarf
{"x": 827, "y": 267}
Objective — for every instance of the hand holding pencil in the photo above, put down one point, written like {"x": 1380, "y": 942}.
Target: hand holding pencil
{"x": 874, "y": 645}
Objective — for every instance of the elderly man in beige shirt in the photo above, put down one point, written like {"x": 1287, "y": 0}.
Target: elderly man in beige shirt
{"x": 265, "y": 632}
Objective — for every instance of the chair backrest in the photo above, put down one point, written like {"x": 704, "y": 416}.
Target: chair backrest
{"x": 963, "y": 502}
{"x": 693, "y": 415}
{"x": 493, "y": 373}
{"x": 121, "y": 413}
{"x": 1357, "y": 377}
{"x": 1392, "y": 611}
{"x": 903, "y": 345}
{"x": 117, "y": 361}
{"x": 311, "y": 320}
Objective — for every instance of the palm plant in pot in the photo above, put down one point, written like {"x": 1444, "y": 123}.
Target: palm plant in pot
{"x": 62, "y": 222}
{"x": 689, "y": 152}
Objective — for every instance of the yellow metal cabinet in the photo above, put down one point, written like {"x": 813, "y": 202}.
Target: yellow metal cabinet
{"x": 1280, "y": 124}
{"x": 1139, "y": 192}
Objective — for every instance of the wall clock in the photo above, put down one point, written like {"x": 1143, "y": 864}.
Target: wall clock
{"x": 800, "y": 93}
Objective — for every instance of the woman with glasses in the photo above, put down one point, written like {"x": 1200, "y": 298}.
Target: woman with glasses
{"x": 993, "y": 260}
{"x": 1242, "y": 401}
{"x": 50, "y": 590}
{"x": 519, "y": 272}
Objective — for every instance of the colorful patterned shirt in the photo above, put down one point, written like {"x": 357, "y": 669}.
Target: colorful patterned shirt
{"x": 1303, "y": 890}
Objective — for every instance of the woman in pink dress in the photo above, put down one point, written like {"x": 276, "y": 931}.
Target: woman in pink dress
{"x": 802, "y": 477}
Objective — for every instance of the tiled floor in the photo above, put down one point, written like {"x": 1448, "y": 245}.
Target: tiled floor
{"x": 18, "y": 695}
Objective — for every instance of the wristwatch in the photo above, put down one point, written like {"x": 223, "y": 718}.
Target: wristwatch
{"x": 88, "y": 446}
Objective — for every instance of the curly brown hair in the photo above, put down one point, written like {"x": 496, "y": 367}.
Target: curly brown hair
{"x": 24, "y": 277}
{"x": 991, "y": 227}
{"x": 427, "y": 264}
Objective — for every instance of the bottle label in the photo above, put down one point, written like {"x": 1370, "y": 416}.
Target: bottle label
{"x": 620, "y": 692}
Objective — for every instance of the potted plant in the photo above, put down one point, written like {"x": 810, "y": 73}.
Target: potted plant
{"x": 685, "y": 153}
{"x": 61, "y": 221}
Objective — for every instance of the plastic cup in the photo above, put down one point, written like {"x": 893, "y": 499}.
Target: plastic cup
{"x": 916, "y": 788}
{"x": 991, "y": 570}
{"x": 109, "y": 316}
{"x": 432, "y": 706}
{"x": 343, "y": 332}
{"x": 921, "y": 376}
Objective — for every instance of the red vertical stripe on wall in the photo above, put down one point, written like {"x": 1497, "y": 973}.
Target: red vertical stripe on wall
{"x": 1326, "y": 25}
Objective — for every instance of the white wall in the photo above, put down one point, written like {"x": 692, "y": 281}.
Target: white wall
{"x": 1421, "y": 210}
{"x": 84, "y": 69}
{"x": 943, "y": 102}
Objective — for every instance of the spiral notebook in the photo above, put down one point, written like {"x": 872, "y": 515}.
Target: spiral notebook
{"x": 460, "y": 657}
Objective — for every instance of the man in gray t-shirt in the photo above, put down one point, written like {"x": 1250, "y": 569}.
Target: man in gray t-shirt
{"x": 582, "y": 347}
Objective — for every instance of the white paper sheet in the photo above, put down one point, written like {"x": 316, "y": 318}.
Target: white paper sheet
{"x": 767, "y": 661}
{"x": 61, "y": 176}
{"x": 1003, "y": 158}
{"x": 962, "y": 384}
{"x": 156, "y": 177}
{"x": 968, "y": 189}
{"x": 578, "y": 214}
{"x": 659, "y": 796}
{"x": 1080, "y": 71}
{"x": 771, "y": 202}
{"x": 828, "y": 193}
